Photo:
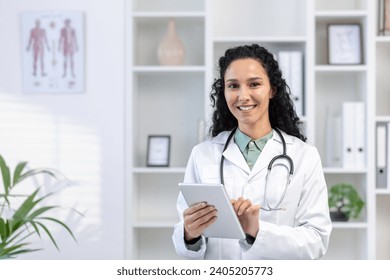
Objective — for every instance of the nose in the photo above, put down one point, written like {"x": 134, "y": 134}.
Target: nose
{"x": 243, "y": 95}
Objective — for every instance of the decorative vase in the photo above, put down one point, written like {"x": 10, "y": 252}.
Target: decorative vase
{"x": 171, "y": 49}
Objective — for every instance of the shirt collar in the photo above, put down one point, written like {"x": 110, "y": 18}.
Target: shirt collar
{"x": 242, "y": 140}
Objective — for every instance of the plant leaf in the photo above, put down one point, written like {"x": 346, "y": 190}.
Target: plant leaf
{"x": 29, "y": 218}
{"x": 62, "y": 224}
{"x": 50, "y": 171}
{"x": 49, "y": 234}
{"x": 38, "y": 212}
{"x": 34, "y": 225}
{"x": 3, "y": 230}
{"x": 26, "y": 206}
{"x": 18, "y": 171}
{"x": 6, "y": 175}
{"x": 13, "y": 251}
{"x": 15, "y": 236}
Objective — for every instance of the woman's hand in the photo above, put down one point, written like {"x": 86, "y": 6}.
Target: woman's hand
{"x": 248, "y": 215}
{"x": 197, "y": 218}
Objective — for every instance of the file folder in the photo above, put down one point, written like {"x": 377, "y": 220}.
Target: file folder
{"x": 359, "y": 133}
{"x": 348, "y": 129}
{"x": 388, "y": 156}
{"x": 291, "y": 64}
{"x": 381, "y": 155}
{"x": 354, "y": 142}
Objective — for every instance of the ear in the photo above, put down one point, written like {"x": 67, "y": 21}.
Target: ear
{"x": 272, "y": 93}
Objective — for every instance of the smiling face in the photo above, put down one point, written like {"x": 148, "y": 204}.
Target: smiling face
{"x": 247, "y": 93}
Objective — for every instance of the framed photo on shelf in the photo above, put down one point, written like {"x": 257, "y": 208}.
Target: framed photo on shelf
{"x": 344, "y": 44}
{"x": 158, "y": 152}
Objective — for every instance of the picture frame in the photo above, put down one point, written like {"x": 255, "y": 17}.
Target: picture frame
{"x": 158, "y": 151}
{"x": 345, "y": 44}
{"x": 53, "y": 51}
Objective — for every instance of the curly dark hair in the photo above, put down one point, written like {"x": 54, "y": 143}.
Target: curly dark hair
{"x": 281, "y": 108}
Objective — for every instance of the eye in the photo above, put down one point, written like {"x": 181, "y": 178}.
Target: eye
{"x": 254, "y": 84}
{"x": 232, "y": 86}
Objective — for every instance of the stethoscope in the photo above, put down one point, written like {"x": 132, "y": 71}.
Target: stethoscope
{"x": 266, "y": 206}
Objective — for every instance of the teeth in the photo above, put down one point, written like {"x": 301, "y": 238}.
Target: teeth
{"x": 246, "y": 108}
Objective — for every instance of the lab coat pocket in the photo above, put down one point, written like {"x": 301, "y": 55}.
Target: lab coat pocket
{"x": 210, "y": 174}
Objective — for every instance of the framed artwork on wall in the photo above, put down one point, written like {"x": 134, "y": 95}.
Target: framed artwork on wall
{"x": 53, "y": 52}
{"x": 344, "y": 44}
{"x": 158, "y": 152}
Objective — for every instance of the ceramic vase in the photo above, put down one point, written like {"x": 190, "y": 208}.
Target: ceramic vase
{"x": 171, "y": 49}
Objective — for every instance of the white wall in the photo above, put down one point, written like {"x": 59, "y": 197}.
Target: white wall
{"x": 82, "y": 134}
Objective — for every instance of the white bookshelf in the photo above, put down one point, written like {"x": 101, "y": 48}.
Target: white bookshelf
{"x": 381, "y": 105}
{"x": 172, "y": 99}
{"x": 166, "y": 100}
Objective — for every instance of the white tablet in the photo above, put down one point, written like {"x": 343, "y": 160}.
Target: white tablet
{"x": 227, "y": 224}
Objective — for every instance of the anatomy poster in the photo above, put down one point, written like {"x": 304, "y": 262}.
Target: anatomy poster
{"x": 53, "y": 52}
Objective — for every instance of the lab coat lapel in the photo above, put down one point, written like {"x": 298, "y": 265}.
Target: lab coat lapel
{"x": 273, "y": 148}
{"x": 234, "y": 155}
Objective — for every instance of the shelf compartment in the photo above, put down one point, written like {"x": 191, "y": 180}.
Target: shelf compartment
{"x": 160, "y": 99}
{"x": 359, "y": 181}
{"x": 382, "y": 227}
{"x": 154, "y": 200}
{"x": 382, "y": 79}
{"x": 332, "y": 89}
{"x": 347, "y": 244}
{"x": 261, "y": 21}
{"x": 154, "y": 244}
{"x": 148, "y": 32}
{"x": 321, "y": 37}
{"x": 273, "y": 46}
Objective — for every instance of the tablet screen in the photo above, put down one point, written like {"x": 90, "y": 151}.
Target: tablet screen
{"x": 227, "y": 224}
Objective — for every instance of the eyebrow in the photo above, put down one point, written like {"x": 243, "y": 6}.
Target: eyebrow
{"x": 249, "y": 80}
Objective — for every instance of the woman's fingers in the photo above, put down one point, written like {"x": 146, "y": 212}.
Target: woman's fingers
{"x": 248, "y": 215}
{"x": 197, "y": 218}
{"x": 241, "y": 204}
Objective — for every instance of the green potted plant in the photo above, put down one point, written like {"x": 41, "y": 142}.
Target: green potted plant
{"x": 344, "y": 202}
{"x": 24, "y": 215}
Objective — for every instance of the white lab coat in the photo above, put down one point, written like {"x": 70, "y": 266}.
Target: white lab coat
{"x": 301, "y": 231}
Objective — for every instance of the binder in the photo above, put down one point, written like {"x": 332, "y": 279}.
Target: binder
{"x": 291, "y": 64}
{"x": 333, "y": 140}
{"x": 348, "y": 129}
{"x": 381, "y": 155}
{"x": 353, "y": 127}
{"x": 388, "y": 155}
{"x": 359, "y": 139}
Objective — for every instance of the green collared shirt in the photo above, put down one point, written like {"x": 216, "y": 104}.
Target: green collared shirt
{"x": 250, "y": 148}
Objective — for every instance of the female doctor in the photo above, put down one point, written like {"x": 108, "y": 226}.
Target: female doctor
{"x": 255, "y": 131}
